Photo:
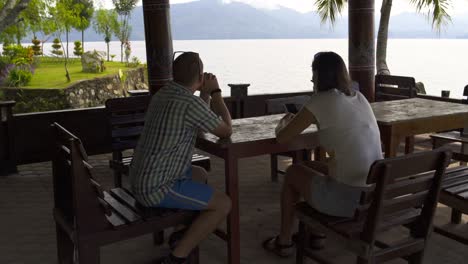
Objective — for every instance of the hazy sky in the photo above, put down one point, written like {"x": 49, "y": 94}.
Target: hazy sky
{"x": 399, "y": 6}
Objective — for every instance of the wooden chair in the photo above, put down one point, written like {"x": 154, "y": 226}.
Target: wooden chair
{"x": 403, "y": 192}
{"x": 126, "y": 118}
{"x": 392, "y": 87}
{"x": 88, "y": 217}
{"x": 276, "y": 106}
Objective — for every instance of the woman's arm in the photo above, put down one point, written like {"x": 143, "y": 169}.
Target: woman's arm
{"x": 291, "y": 126}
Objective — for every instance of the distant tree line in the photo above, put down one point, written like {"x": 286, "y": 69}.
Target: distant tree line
{"x": 48, "y": 19}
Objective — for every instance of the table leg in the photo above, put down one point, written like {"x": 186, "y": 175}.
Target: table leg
{"x": 391, "y": 146}
{"x": 232, "y": 189}
{"x": 409, "y": 145}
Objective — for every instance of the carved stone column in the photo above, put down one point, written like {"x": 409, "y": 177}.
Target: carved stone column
{"x": 362, "y": 45}
{"x": 158, "y": 39}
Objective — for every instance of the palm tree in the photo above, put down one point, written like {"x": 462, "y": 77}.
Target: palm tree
{"x": 328, "y": 9}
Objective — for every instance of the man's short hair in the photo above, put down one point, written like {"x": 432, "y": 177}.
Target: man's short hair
{"x": 187, "y": 68}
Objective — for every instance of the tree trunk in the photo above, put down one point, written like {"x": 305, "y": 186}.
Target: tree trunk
{"x": 107, "y": 51}
{"x": 10, "y": 11}
{"x": 66, "y": 54}
{"x": 82, "y": 40}
{"x": 121, "y": 51}
{"x": 67, "y": 74}
{"x": 382, "y": 37}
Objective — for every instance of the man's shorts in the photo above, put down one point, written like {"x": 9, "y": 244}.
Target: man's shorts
{"x": 187, "y": 194}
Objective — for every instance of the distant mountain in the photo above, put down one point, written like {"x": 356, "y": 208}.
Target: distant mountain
{"x": 212, "y": 19}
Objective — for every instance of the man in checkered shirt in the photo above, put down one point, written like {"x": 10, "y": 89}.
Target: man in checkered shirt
{"x": 161, "y": 173}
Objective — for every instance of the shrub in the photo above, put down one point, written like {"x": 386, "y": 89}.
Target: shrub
{"x": 112, "y": 57}
{"x": 37, "y": 47}
{"x": 19, "y": 77}
{"x": 135, "y": 62}
{"x": 57, "y": 48}
{"x": 18, "y": 54}
{"x": 4, "y": 72}
{"x": 78, "y": 50}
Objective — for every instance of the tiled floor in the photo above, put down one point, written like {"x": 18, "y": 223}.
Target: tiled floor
{"x": 27, "y": 233}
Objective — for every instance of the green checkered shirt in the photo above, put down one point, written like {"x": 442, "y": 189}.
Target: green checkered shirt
{"x": 166, "y": 145}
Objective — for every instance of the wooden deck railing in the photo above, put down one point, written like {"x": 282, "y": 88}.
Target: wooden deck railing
{"x": 26, "y": 138}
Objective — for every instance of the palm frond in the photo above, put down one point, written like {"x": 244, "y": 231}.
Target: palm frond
{"x": 437, "y": 10}
{"x": 329, "y": 9}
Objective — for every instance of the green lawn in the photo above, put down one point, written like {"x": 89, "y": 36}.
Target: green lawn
{"x": 51, "y": 73}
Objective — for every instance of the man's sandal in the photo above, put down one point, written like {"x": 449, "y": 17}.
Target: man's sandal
{"x": 175, "y": 237}
{"x": 284, "y": 251}
{"x": 316, "y": 240}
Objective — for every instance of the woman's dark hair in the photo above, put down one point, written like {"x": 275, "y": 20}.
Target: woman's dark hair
{"x": 331, "y": 73}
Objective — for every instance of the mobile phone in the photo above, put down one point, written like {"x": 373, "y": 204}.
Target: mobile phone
{"x": 291, "y": 108}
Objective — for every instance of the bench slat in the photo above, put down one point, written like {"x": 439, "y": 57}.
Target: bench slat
{"x": 453, "y": 177}
{"x": 124, "y": 132}
{"x": 455, "y": 182}
{"x": 123, "y": 196}
{"x": 115, "y": 220}
{"x": 458, "y": 188}
{"x": 463, "y": 195}
{"x": 129, "y": 215}
{"x": 127, "y": 119}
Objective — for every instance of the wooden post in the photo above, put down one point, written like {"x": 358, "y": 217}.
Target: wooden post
{"x": 362, "y": 45}
{"x": 7, "y": 150}
{"x": 239, "y": 92}
{"x": 158, "y": 40}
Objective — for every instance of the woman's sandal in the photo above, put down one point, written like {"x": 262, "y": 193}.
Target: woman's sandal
{"x": 283, "y": 251}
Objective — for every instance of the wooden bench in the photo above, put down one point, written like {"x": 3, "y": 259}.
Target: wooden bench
{"x": 454, "y": 192}
{"x": 404, "y": 192}
{"x": 126, "y": 118}
{"x": 88, "y": 217}
{"x": 392, "y": 87}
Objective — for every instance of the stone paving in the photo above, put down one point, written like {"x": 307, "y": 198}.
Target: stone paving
{"x": 27, "y": 231}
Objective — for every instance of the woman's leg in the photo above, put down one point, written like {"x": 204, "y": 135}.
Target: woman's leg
{"x": 297, "y": 184}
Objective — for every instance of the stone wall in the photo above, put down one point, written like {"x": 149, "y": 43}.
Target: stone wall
{"x": 87, "y": 93}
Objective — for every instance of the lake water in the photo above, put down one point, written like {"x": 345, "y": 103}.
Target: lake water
{"x": 279, "y": 66}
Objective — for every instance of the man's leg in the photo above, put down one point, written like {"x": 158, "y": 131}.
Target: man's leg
{"x": 200, "y": 175}
{"x": 208, "y": 220}
{"x": 297, "y": 184}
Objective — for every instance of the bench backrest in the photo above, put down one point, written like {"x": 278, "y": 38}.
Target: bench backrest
{"x": 406, "y": 193}
{"x": 392, "y": 87}
{"x": 126, "y": 117}
{"x": 276, "y": 106}
{"x": 77, "y": 196}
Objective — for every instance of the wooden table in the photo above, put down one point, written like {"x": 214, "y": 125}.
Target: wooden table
{"x": 410, "y": 117}
{"x": 251, "y": 137}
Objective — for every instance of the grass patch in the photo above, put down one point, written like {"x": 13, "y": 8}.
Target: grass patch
{"x": 50, "y": 73}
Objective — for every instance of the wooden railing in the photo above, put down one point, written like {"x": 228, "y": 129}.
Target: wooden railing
{"x": 444, "y": 99}
{"x": 26, "y": 138}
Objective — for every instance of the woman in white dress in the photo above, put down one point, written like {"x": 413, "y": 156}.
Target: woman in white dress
{"x": 349, "y": 133}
